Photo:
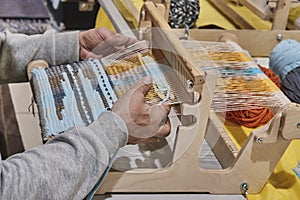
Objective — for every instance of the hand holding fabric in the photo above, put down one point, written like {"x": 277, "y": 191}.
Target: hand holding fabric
{"x": 145, "y": 123}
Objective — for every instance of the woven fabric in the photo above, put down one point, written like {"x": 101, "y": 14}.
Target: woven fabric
{"x": 241, "y": 84}
{"x": 70, "y": 95}
{"x": 75, "y": 94}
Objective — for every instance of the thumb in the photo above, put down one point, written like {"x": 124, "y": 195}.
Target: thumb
{"x": 144, "y": 85}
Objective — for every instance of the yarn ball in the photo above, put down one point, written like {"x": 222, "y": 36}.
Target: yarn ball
{"x": 285, "y": 61}
{"x": 285, "y": 57}
{"x": 183, "y": 12}
{"x": 271, "y": 75}
{"x": 290, "y": 86}
{"x": 254, "y": 118}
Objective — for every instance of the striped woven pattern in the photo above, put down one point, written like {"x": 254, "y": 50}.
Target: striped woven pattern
{"x": 75, "y": 94}
{"x": 69, "y": 95}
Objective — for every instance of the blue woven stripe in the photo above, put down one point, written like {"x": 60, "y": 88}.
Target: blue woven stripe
{"x": 69, "y": 96}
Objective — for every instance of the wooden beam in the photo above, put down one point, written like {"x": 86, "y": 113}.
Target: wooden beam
{"x": 259, "y": 43}
{"x": 132, "y": 9}
{"x": 281, "y": 14}
{"x": 263, "y": 14}
{"x": 116, "y": 18}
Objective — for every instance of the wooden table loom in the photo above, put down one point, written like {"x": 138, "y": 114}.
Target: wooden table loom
{"x": 243, "y": 171}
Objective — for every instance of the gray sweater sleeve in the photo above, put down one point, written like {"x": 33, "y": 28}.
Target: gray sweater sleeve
{"x": 68, "y": 166}
{"x": 17, "y": 50}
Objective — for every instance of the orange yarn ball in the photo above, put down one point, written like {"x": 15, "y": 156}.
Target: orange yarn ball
{"x": 250, "y": 118}
{"x": 274, "y": 77}
{"x": 254, "y": 118}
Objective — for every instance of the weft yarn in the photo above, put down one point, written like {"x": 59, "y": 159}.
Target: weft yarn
{"x": 285, "y": 62}
{"x": 254, "y": 118}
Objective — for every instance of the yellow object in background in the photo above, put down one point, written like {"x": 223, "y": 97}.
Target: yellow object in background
{"x": 103, "y": 20}
{"x": 210, "y": 16}
{"x": 283, "y": 184}
{"x": 294, "y": 14}
{"x": 294, "y": 17}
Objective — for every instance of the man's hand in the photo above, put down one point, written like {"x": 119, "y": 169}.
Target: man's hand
{"x": 99, "y": 42}
{"x": 144, "y": 123}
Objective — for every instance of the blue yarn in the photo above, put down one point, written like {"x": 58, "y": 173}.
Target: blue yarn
{"x": 75, "y": 94}
{"x": 297, "y": 169}
{"x": 285, "y": 57}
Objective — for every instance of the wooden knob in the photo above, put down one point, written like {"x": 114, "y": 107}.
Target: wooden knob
{"x": 226, "y": 37}
{"x": 35, "y": 64}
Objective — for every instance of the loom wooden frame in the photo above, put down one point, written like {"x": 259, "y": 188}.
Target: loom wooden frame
{"x": 252, "y": 164}
{"x": 279, "y": 18}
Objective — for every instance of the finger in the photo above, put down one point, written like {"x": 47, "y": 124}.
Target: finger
{"x": 167, "y": 107}
{"x": 120, "y": 41}
{"x": 132, "y": 140}
{"x": 131, "y": 41}
{"x": 105, "y": 34}
{"x": 135, "y": 140}
{"x": 151, "y": 140}
{"x": 102, "y": 47}
{"x": 158, "y": 116}
{"x": 144, "y": 85}
{"x": 136, "y": 95}
{"x": 164, "y": 131}
{"x": 84, "y": 54}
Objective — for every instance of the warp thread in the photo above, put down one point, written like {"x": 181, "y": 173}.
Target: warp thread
{"x": 254, "y": 118}
{"x": 285, "y": 62}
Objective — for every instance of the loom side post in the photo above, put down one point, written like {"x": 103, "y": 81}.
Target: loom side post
{"x": 291, "y": 122}
{"x": 286, "y": 124}
{"x": 266, "y": 134}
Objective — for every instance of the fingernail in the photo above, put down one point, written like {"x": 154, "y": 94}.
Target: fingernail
{"x": 147, "y": 80}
